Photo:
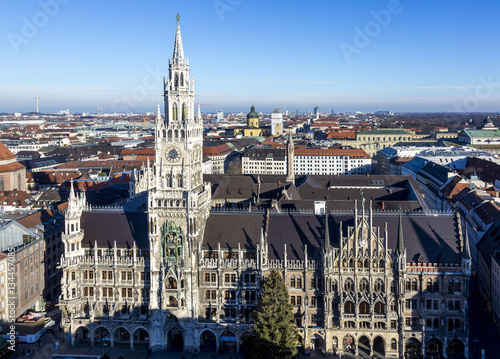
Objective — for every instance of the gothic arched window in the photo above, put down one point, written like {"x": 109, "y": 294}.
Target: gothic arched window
{"x": 184, "y": 112}
{"x": 175, "y": 114}
{"x": 428, "y": 286}
{"x": 292, "y": 281}
{"x": 414, "y": 285}
{"x": 363, "y": 285}
{"x": 349, "y": 308}
{"x": 379, "y": 285}
{"x": 436, "y": 285}
{"x": 379, "y": 308}
{"x": 349, "y": 284}
{"x": 182, "y": 80}
{"x": 364, "y": 308}
{"x": 176, "y": 80}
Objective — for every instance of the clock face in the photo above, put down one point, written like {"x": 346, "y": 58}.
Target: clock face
{"x": 173, "y": 154}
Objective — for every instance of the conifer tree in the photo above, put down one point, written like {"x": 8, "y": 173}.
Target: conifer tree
{"x": 274, "y": 322}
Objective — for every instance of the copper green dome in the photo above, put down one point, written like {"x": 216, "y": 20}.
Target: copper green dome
{"x": 252, "y": 113}
{"x": 487, "y": 120}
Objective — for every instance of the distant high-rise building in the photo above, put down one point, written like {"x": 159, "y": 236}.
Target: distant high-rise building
{"x": 220, "y": 116}
{"x": 276, "y": 122}
{"x": 316, "y": 112}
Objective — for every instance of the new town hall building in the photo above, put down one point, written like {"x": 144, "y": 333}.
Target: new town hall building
{"x": 180, "y": 265}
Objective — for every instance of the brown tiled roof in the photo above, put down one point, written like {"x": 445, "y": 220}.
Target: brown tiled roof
{"x": 128, "y": 165}
{"x": 140, "y": 151}
{"x": 487, "y": 171}
{"x": 5, "y": 153}
{"x": 216, "y": 150}
{"x": 342, "y": 135}
{"x": 51, "y": 220}
{"x": 11, "y": 167}
{"x": 51, "y": 177}
{"x": 14, "y": 198}
{"x": 488, "y": 212}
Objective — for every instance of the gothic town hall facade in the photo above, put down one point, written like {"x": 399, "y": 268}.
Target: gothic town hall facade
{"x": 180, "y": 265}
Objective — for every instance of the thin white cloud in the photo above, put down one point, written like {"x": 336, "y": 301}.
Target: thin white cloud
{"x": 440, "y": 87}
{"x": 322, "y": 82}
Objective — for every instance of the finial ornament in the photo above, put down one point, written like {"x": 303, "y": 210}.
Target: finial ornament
{"x": 178, "y": 17}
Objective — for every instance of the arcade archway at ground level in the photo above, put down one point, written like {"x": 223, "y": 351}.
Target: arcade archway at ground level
{"x": 82, "y": 336}
{"x": 101, "y": 335}
{"x": 455, "y": 349}
{"x": 228, "y": 343}
{"x": 412, "y": 349}
{"x": 379, "y": 347}
{"x": 208, "y": 342}
{"x": 364, "y": 346}
{"x": 349, "y": 343}
{"x": 434, "y": 349}
{"x": 122, "y": 337}
{"x": 141, "y": 338}
{"x": 317, "y": 342}
{"x": 175, "y": 340}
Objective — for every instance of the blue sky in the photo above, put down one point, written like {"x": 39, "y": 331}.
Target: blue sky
{"x": 348, "y": 55}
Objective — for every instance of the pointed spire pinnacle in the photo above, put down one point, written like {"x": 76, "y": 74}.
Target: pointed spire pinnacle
{"x": 158, "y": 113}
{"x": 71, "y": 190}
{"x": 178, "y": 56}
{"x": 401, "y": 246}
{"x": 465, "y": 248}
{"x": 327, "y": 230}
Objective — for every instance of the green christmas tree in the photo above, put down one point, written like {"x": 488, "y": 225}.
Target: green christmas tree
{"x": 274, "y": 323}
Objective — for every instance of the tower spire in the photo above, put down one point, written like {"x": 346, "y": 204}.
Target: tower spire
{"x": 158, "y": 113}
{"x": 465, "y": 246}
{"x": 401, "y": 246}
{"x": 71, "y": 190}
{"x": 327, "y": 231}
{"x": 178, "y": 56}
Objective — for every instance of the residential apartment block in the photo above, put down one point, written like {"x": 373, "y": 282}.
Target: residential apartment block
{"x": 306, "y": 161}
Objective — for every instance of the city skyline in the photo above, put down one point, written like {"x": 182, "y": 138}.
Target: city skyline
{"x": 403, "y": 56}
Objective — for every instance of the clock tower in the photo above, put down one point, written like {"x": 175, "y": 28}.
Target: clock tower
{"x": 178, "y": 202}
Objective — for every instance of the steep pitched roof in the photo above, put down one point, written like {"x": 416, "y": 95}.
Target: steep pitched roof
{"x": 107, "y": 227}
{"x": 5, "y": 153}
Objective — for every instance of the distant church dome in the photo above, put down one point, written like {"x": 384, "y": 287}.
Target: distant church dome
{"x": 252, "y": 113}
{"x": 487, "y": 120}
